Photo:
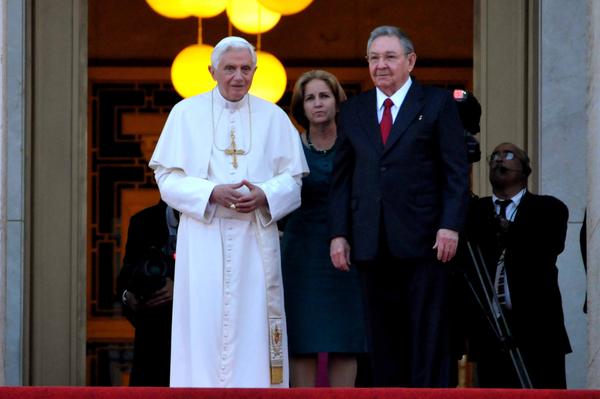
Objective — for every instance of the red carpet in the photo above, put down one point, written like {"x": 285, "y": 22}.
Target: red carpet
{"x": 317, "y": 393}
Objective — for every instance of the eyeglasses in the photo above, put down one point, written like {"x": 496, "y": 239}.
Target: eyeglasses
{"x": 505, "y": 155}
{"x": 388, "y": 58}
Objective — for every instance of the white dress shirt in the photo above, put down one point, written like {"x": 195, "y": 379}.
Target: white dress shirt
{"x": 397, "y": 98}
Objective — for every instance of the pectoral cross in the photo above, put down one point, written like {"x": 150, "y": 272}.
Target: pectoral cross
{"x": 233, "y": 151}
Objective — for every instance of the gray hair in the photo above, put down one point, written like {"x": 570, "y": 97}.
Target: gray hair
{"x": 387, "y": 30}
{"x": 228, "y": 43}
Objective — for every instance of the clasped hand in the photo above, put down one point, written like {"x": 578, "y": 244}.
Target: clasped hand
{"x": 159, "y": 297}
{"x": 229, "y": 196}
{"x": 162, "y": 295}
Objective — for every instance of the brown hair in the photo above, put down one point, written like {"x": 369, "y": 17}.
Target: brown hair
{"x": 297, "y": 106}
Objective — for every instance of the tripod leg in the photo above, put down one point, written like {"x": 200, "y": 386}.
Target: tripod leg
{"x": 497, "y": 319}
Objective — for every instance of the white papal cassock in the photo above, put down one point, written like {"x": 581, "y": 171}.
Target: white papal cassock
{"x": 228, "y": 292}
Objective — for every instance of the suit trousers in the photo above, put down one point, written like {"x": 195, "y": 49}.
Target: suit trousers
{"x": 495, "y": 367}
{"x": 406, "y": 302}
{"x": 546, "y": 370}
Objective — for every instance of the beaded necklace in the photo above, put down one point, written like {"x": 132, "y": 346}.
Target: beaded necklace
{"x": 315, "y": 149}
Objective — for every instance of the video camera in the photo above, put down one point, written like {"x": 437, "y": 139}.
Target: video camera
{"x": 150, "y": 274}
{"x": 469, "y": 112}
{"x": 157, "y": 264}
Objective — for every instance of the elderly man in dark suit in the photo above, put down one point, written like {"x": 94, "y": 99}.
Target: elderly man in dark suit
{"x": 520, "y": 235}
{"x": 398, "y": 200}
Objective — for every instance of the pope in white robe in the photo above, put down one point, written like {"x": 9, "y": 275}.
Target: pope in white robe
{"x": 232, "y": 164}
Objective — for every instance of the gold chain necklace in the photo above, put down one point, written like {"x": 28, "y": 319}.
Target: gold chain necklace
{"x": 232, "y": 151}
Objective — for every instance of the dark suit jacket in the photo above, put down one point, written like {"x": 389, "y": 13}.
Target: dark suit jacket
{"x": 417, "y": 182}
{"x": 533, "y": 243}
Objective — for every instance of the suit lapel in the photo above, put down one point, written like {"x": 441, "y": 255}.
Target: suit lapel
{"x": 368, "y": 118}
{"x": 522, "y": 208}
{"x": 412, "y": 104}
{"x": 488, "y": 212}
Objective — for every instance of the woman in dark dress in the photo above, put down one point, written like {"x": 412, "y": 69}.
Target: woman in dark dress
{"x": 323, "y": 305}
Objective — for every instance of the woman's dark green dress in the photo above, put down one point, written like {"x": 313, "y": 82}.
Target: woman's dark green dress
{"x": 323, "y": 305}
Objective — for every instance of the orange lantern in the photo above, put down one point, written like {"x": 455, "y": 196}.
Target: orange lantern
{"x": 270, "y": 78}
{"x": 251, "y": 17}
{"x": 187, "y": 8}
{"x": 189, "y": 72}
{"x": 286, "y": 7}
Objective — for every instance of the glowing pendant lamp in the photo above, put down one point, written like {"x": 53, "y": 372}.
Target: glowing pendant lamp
{"x": 189, "y": 72}
{"x": 207, "y": 8}
{"x": 270, "y": 78}
{"x": 187, "y": 8}
{"x": 286, "y": 7}
{"x": 250, "y": 17}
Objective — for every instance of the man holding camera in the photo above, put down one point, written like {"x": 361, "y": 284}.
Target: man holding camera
{"x": 520, "y": 235}
{"x": 145, "y": 285}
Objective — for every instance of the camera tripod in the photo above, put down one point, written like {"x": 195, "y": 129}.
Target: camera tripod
{"x": 490, "y": 305}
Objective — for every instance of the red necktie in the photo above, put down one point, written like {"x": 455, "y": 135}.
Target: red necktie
{"x": 386, "y": 120}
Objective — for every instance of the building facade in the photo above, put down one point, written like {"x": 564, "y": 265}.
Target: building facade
{"x": 535, "y": 71}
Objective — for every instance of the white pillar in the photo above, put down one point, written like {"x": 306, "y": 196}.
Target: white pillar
{"x": 3, "y": 191}
{"x": 563, "y": 82}
{"x": 593, "y": 214}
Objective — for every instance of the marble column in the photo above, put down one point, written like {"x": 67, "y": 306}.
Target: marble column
{"x": 563, "y": 82}
{"x": 13, "y": 59}
{"x": 593, "y": 214}
{"x": 3, "y": 191}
